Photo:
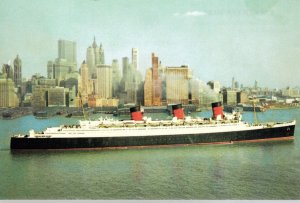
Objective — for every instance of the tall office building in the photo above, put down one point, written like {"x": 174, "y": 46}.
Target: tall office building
{"x": 148, "y": 88}
{"x": 84, "y": 72}
{"x": 116, "y": 78}
{"x": 103, "y": 86}
{"x": 242, "y": 97}
{"x": 156, "y": 82}
{"x": 61, "y": 69}
{"x": 8, "y": 96}
{"x": 232, "y": 83}
{"x": 65, "y": 63}
{"x": 67, "y": 51}
{"x": 130, "y": 82}
{"x": 135, "y": 58}
{"x": 94, "y": 57}
{"x": 177, "y": 84}
{"x": 72, "y": 82}
{"x": 7, "y": 70}
{"x": 57, "y": 96}
{"x": 126, "y": 68}
{"x": 18, "y": 72}
{"x": 230, "y": 97}
{"x": 153, "y": 85}
{"x": 40, "y": 86}
{"x": 50, "y": 70}
{"x": 255, "y": 85}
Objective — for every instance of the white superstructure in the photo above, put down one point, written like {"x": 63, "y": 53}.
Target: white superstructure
{"x": 147, "y": 127}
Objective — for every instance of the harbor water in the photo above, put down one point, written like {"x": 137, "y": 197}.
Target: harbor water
{"x": 263, "y": 170}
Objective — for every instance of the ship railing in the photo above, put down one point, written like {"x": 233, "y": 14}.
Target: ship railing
{"x": 149, "y": 127}
{"x": 131, "y": 123}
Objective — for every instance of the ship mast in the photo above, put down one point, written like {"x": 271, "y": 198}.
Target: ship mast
{"x": 254, "y": 112}
{"x": 81, "y": 104}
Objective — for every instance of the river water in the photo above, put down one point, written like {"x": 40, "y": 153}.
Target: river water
{"x": 267, "y": 170}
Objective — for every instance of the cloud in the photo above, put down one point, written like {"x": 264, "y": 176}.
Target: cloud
{"x": 195, "y": 13}
{"x": 191, "y": 14}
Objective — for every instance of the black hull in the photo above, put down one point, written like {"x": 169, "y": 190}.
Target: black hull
{"x": 286, "y": 132}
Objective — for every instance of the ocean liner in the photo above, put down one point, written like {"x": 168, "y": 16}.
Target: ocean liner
{"x": 142, "y": 131}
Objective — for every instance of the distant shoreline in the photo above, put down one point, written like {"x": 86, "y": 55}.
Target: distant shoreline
{"x": 284, "y": 107}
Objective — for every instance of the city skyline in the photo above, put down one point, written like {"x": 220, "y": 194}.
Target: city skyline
{"x": 250, "y": 40}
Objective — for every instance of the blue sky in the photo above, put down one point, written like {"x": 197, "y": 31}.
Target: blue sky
{"x": 219, "y": 39}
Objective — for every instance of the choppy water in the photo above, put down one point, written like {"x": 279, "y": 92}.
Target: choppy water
{"x": 269, "y": 170}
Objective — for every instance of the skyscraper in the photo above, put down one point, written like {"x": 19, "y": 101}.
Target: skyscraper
{"x": 65, "y": 63}
{"x": 7, "y": 70}
{"x": 67, "y": 51}
{"x": 84, "y": 72}
{"x": 125, "y": 68}
{"x": 148, "y": 88}
{"x": 156, "y": 82}
{"x": 135, "y": 58}
{"x": 153, "y": 85}
{"x": 50, "y": 70}
{"x": 130, "y": 82}
{"x": 57, "y": 96}
{"x": 8, "y": 97}
{"x": 115, "y": 77}
{"x": 18, "y": 72}
{"x": 103, "y": 87}
{"x": 255, "y": 85}
{"x": 232, "y": 83}
{"x": 177, "y": 84}
{"x": 230, "y": 97}
{"x": 94, "y": 57}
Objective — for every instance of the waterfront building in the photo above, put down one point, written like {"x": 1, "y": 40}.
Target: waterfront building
{"x": 8, "y": 96}
{"x": 103, "y": 87}
{"x": 18, "y": 72}
{"x": 39, "y": 88}
{"x": 242, "y": 97}
{"x": 96, "y": 101}
{"x": 290, "y": 92}
{"x": 177, "y": 84}
{"x": 230, "y": 97}
{"x": 39, "y": 97}
{"x": 94, "y": 57}
{"x": 72, "y": 82}
{"x": 153, "y": 85}
{"x": 135, "y": 58}
{"x": 56, "y": 96}
{"x": 27, "y": 99}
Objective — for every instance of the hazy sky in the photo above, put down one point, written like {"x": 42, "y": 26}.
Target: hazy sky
{"x": 219, "y": 39}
